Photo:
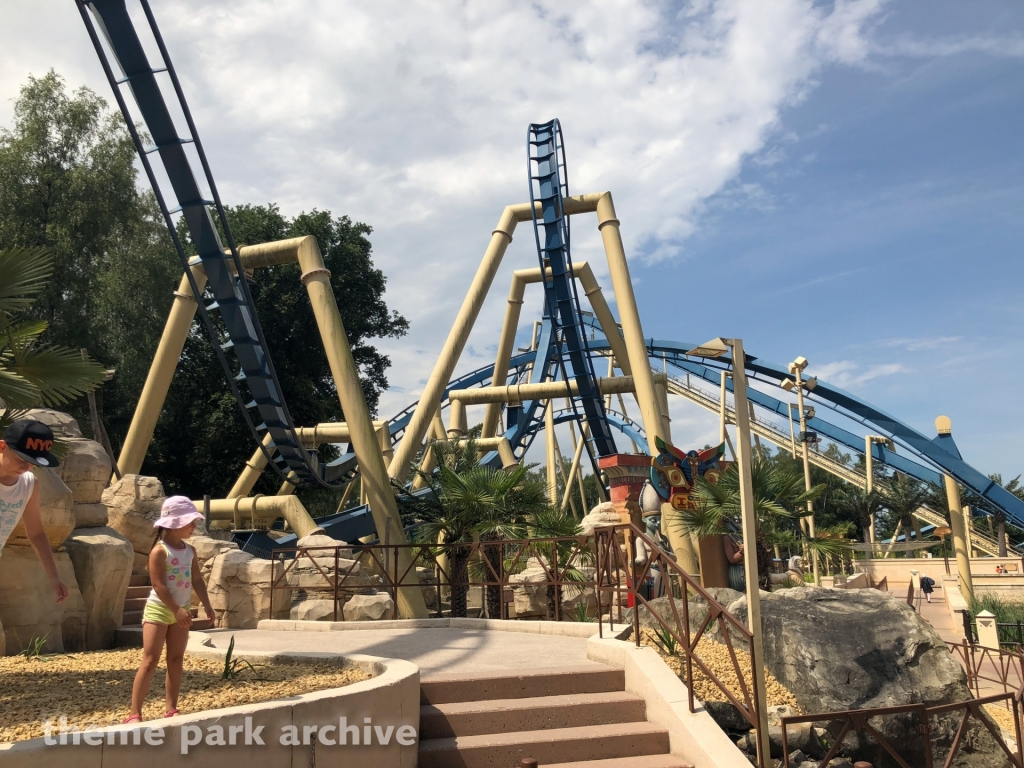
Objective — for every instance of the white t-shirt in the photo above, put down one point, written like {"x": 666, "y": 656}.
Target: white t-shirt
{"x": 13, "y": 500}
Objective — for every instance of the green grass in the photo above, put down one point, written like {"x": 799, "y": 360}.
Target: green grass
{"x": 1006, "y": 611}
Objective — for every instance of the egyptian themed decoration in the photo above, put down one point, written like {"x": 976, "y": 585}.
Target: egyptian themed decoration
{"x": 674, "y": 473}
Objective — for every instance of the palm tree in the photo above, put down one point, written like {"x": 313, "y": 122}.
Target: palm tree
{"x": 469, "y": 502}
{"x": 853, "y": 502}
{"x": 34, "y": 374}
{"x": 903, "y": 496}
{"x": 552, "y": 523}
{"x": 779, "y": 501}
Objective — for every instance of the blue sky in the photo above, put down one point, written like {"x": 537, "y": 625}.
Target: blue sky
{"x": 838, "y": 180}
{"x": 879, "y": 231}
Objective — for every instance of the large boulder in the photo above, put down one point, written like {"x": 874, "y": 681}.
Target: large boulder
{"x": 529, "y": 590}
{"x": 28, "y": 607}
{"x": 90, "y": 515}
{"x": 601, "y": 515}
{"x": 133, "y": 505}
{"x": 861, "y": 648}
{"x": 313, "y": 609}
{"x": 63, "y": 425}
{"x": 376, "y": 607}
{"x": 85, "y": 470}
{"x": 3, "y": 640}
{"x": 55, "y": 510}
{"x": 102, "y": 559}
{"x": 239, "y": 589}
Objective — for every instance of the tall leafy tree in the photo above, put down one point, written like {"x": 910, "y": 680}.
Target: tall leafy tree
{"x": 68, "y": 184}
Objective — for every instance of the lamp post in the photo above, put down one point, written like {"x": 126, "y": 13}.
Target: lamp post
{"x": 744, "y": 459}
{"x": 797, "y": 368}
{"x": 869, "y": 472}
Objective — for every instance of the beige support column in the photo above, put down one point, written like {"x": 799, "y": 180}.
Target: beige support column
{"x": 574, "y": 472}
{"x": 744, "y": 459}
{"x": 944, "y": 426}
{"x": 254, "y": 467}
{"x": 549, "y": 440}
{"x": 429, "y": 461}
{"x": 603, "y": 314}
{"x": 158, "y": 381}
{"x": 643, "y": 378}
{"x": 373, "y": 472}
{"x": 504, "y": 356}
{"x": 263, "y": 508}
{"x": 457, "y": 426}
{"x": 666, "y": 421}
{"x": 449, "y": 357}
{"x": 632, "y": 330}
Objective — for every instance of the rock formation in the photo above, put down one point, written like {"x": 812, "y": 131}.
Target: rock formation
{"x": 102, "y": 560}
{"x": 133, "y": 505}
{"x": 29, "y": 609}
{"x": 374, "y": 607}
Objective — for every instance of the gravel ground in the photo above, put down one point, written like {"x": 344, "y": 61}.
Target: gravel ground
{"x": 716, "y": 657}
{"x": 1002, "y": 716}
{"x": 95, "y": 688}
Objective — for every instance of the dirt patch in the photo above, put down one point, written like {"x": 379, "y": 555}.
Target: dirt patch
{"x": 94, "y": 689}
{"x": 716, "y": 657}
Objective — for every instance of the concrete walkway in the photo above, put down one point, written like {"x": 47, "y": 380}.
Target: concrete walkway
{"x": 433, "y": 650}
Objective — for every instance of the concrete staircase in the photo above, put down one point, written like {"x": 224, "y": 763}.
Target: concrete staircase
{"x": 135, "y": 600}
{"x": 564, "y": 718}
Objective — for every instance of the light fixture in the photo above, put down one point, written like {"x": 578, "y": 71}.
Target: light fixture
{"x": 788, "y": 384}
{"x": 714, "y": 348}
{"x": 798, "y": 365}
{"x": 811, "y": 382}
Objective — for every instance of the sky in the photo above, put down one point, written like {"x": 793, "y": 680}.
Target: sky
{"x": 836, "y": 180}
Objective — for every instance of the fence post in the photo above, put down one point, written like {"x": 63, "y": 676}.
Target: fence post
{"x": 988, "y": 633}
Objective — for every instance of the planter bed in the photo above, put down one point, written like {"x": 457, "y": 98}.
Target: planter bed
{"x": 94, "y": 689}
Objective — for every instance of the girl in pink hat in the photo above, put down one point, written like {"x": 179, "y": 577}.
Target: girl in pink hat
{"x": 167, "y": 616}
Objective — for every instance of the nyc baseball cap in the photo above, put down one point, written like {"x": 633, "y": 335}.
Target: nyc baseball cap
{"x": 32, "y": 441}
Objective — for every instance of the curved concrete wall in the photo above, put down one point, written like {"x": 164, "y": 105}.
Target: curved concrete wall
{"x": 390, "y": 700}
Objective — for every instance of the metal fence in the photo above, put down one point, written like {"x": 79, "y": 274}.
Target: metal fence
{"x": 859, "y": 721}
{"x": 605, "y": 562}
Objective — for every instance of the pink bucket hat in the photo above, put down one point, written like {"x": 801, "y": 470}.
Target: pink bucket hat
{"x": 177, "y": 512}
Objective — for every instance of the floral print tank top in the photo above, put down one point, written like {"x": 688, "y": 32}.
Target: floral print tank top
{"x": 177, "y": 575}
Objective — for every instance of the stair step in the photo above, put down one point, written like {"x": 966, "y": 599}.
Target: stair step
{"x": 644, "y": 761}
{"x": 133, "y": 604}
{"x": 574, "y": 710}
{"x": 591, "y": 742}
{"x": 456, "y": 688}
{"x": 140, "y": 591}
{"x": 131, "y": 619}
{"x": 140, "y": 580}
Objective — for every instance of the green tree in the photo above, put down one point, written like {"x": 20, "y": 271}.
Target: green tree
{"x": 68, "y": 183}
{"x": 902, "y": 496}
{"x": 779, "y": 501}
{"x": 471, "y": 502}
{"x": 32, "y": 373}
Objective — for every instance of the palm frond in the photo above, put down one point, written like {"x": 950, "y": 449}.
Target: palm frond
{"x": 60, "y": 375}
{"x": 25, "y": 273}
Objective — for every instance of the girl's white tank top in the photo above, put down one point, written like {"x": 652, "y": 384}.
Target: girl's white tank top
{"x": 13, "y": 500}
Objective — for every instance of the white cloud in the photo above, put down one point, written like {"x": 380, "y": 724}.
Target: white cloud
{"x": 412, "y": 116}
{"x": 846, "y": 373}
{"x": 923, "y": 343}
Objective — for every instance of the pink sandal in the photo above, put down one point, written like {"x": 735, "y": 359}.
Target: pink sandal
{"x": 172, "y": 713}
{"x": 132, "y": 719}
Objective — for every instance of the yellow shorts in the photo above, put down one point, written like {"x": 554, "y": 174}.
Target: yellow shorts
{"x": 158, "y": 613}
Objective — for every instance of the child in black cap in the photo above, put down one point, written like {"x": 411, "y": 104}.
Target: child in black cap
{"x": 25, "y": 444}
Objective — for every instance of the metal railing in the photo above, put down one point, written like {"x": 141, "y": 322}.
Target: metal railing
{"x": 859, "y": 721}
{"x": 991, "y": 665}
{"x": 603, "y": 562}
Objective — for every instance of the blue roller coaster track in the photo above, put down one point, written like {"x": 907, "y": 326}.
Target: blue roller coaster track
{"x": 230, "y": 318}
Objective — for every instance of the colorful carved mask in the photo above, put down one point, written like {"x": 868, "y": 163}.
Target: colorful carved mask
{"x": 674, "y": 473}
